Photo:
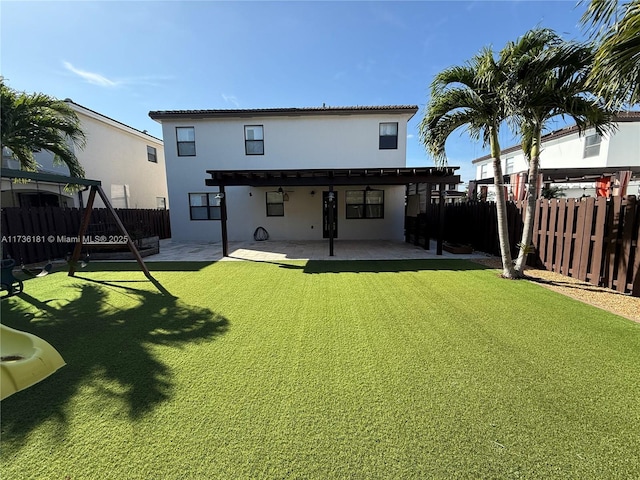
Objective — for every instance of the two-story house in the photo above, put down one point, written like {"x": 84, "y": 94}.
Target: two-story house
{"x": 580, "y": 165}
{"x": 290, "y": 171}
{"x": 128, "y": 162}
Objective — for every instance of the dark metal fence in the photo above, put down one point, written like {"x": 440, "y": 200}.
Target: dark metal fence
{"x": 594, "y": 240}
{"x": 38, "y": 234}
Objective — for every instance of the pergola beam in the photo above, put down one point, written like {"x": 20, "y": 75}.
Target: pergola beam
{"x": 48, "y": 177}
{"x": 329, "y": 178}
{"x": 335, "y": 177}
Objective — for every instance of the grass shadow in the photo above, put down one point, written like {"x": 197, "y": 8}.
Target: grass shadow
{"x": 132, "y": 266}
{"x": 378, "y": 266}
{"x": 107, "y": 336}
{"x": 575, "y": 286}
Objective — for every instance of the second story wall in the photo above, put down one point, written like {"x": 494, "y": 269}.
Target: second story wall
{"x": 119, "y": 156}
{"x": 290, "y": 142}
{"x": 619, "y": 149}
{"x": 624, "y": 148}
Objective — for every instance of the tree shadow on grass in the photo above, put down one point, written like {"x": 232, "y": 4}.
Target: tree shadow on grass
{"x": 153, "y": 266}
{"x": 107, "y": 337}
{"x": 378, "y": 266}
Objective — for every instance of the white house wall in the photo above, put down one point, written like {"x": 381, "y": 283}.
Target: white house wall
{"x": 624, "y": 148}
{"x": 568, "y": 152}
{"x": 302, "y": 218}
{"x": 620, "y": 149}
{"x": 116, "y": 155}
{"x": 289, "y": 143}
{"x": 292, "y": 142}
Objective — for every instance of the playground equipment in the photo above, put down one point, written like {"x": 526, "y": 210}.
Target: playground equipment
{"x": 95, "y": 188}
{"x": 10, "y": 284}
{"x": 41, "y": 272}
{"x": 25, "y": 360}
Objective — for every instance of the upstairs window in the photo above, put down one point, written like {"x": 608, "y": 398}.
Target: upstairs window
{"x": 275, "y": 204}
{"x": 389, "y": 136}
{"x": 508, "y": 165}
{"x": 592, "y": 145}
{"x": 152, "y": 154}
{"x": 484, "y": 170}
{"x": 365, "y": 204}
{"x": 253, "y": 140}
{"x": 204, "y": 206}
{"x": 186, "y": 137}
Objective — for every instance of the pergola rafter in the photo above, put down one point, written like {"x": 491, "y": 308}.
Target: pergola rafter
{"x": 330, "y": 178}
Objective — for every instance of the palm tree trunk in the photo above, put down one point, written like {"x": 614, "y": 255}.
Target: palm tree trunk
{"x": 532, "y": 196}
{"x": 508, "y": 270}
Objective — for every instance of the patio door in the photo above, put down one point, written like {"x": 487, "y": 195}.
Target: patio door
{"x": 325, "y": 214}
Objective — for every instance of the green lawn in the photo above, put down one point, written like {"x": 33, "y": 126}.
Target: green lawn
{"x": 379, "y": 369}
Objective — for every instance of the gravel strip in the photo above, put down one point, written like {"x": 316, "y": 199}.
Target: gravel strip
{"x": 604, "y": 298}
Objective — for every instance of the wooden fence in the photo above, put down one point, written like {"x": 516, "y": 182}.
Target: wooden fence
{"x": 594, "y": 240}
{"x": 470, "y": 223}
{"x": 39, "y": 234}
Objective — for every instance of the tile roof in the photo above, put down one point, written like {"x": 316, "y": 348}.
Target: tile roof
{"x": 267, "y": 112}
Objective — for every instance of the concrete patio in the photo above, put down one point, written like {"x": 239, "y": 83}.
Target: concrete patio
{"x": 299, "y": 250}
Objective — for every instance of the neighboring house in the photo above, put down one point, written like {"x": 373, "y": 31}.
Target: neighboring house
{"x": 128, "y": 162}
{"x": 278, "y": 168}
{"x": 582, "y": 165}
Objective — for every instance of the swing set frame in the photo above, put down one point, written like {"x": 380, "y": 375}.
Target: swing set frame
{"x": 95, "y": 187}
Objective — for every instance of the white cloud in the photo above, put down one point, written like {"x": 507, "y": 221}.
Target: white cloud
{"x": 231, "y": 99}
{"x": 93, "y": 78}
{"x": 410, "y": 135}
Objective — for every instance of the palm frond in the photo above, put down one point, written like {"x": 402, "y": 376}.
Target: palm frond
{"x": 616, "y": 68}
{"x": 34, "y": 122}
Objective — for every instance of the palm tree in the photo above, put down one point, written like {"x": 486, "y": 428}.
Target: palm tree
{"x": 469, "y": 96}
{"x": 547, "y": 79}
{"x": 34, "y": 122}
{"x": 615, "y": 25}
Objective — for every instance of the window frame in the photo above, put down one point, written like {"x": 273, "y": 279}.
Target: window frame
{"x": 588, "y": 149}
{"x": 152, "y": 154}
{"x": 208, "y": 206}
{"x": 179, "y": 142}
{"x": 509, "y": 165}
{"x": 366, "y": 213}
{"x": 270, "y": 204}
{"x": 248, "y": 141}
{"x": 383, "y": 144}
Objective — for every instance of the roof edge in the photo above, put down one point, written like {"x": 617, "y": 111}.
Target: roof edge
{"x": 106, "y": 119}
{"x": 282, "y": 112}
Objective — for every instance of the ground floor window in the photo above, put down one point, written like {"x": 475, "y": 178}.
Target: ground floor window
{"x": 120, "y": 196}
{"x": 275, "y": 204}
{"x": 204, "y": 206}
{"x": 365, "y": 203}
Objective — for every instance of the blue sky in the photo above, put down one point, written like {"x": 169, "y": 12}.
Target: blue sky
{"x": 124, "y": 59}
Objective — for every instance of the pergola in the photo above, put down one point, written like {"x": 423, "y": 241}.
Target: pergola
{"x": 329, "y": 178}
